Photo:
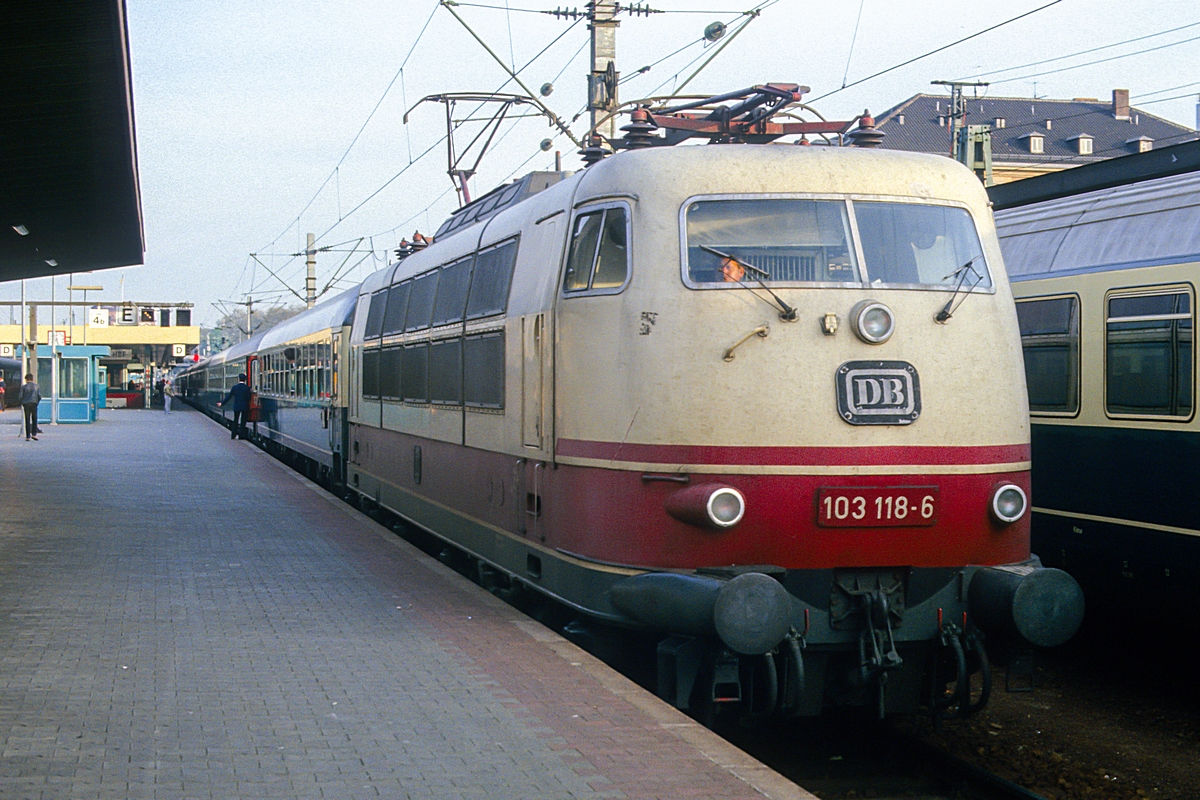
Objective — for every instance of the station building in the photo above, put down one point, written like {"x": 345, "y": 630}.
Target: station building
{"x": 143, "y": 339}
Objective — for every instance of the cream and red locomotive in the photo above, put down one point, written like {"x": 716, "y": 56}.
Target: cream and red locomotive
{"x": 767, "y": 401}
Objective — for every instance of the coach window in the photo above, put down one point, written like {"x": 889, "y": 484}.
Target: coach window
{"x": 375, "y": 315}
{"x": 1149, "y": 354}
{"x": 1050, "y": 339}
{"x": 420, "y": 301}
{"x": 491, "y": 279}
{"x": 916, "y": 244}
{"x": 599, "y": 255}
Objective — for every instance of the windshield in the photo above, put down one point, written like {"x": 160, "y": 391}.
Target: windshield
{"x": 810, "y": 241}
{"x": 919, "y": 244}
{"x": 789, "y": 240}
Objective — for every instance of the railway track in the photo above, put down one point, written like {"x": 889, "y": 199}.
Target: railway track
{"x": 836, "y": 759}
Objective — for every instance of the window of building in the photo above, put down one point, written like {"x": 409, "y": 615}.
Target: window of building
{"x": 483, "y": 370}
{"x": 1001, "y": 122}
{"x": 73, "y": 378}
{"x": 1149, "y": 354}
{"x": 451, "y": 301}
{"x": 1085, "y": 145}
{"x": 599, "y": 256}
{"x": 1037, "y": 144}
{"x": 1050, "y": 339}
{"x": 420, "y": 301}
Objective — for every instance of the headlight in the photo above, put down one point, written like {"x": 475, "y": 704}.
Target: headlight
{"x": 726, "y": 507}
{"x": 709, "y": 505}
{"x": 872, "y": 321}
{"x": 1009, "y": 503}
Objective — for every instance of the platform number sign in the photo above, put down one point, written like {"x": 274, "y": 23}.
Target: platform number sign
{"x": 178, "y": 350}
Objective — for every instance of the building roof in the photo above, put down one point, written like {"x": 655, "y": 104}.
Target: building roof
{"x": 921, "y": 124}
{"x": 68, "y": 161}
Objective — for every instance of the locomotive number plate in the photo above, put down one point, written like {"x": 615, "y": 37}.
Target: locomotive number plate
{"x": 877, "y": 507}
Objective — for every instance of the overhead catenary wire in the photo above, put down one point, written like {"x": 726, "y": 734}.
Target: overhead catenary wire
{"x": 1079, "y": 53}
{"x": 955, "y": 43}
{"x": 1097, "y": 61}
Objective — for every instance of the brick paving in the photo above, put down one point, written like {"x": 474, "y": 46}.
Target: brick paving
{"x": 183, "y": 617}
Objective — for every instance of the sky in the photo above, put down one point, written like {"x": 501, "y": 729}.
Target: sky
{"x": 258, "y": 123}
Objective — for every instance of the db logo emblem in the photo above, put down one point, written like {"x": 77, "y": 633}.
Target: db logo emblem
{"x": 878, "y": 392}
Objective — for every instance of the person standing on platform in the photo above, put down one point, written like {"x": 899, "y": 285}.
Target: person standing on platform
{"x": 166, "y": 396}
{"x": 31, "y": 395}
{"x": 240, "y": 394}
{"x": 3, "y": 393}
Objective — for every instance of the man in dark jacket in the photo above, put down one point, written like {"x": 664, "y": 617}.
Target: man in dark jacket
{"x": 31, "y": 395}
{"x": 240, "y": 394}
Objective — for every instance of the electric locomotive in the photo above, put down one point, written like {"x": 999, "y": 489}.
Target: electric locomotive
{"x": 765, "y": 401}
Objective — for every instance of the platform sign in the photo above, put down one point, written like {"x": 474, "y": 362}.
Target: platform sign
{"x": 60, "y": 338}
{"x": 127, "y": 315}
{"x": 98, "y": 317}
{"x": 179, "y": 350}
{"x": 6, "y": 350}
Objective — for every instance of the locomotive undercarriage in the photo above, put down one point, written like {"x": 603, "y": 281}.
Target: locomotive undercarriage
{"x": 862, "y": 648}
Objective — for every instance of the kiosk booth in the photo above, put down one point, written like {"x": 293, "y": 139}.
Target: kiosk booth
{"x": 73, "y": 388}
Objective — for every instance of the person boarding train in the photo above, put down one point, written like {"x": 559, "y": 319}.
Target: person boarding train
{"x": 240, "y": 394}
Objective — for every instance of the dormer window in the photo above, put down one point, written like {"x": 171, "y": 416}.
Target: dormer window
{"x": 1049, "y": 124}
{"x": 1142, "y": 144}
{"x": 1037, "y": 143}
{"x": 1000, "y": 122}
{"x": 1084, "y": 144}
{"x": 900, "y": 118}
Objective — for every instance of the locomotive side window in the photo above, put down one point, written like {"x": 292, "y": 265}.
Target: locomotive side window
{"x": 1050, "y": 339}
{"x": 778, "y": 241}
{"x": 420, "y": 301}
{"x": 370, "y": 373}
{"x": 445, "y": 372}
{"x": 483, "y": 358}
{"x": 908, "y": 243}
{"x": 375, "y": 315}
{"x": 451, "y": 301}
{"x": 1148, "y": 357}
{"x": 490, "y": 283}
{"x": 393, "y": 318}
{"x": 415, "y": 373}
{"x": 389, "y": 373}
{"x": 599, "y": 255}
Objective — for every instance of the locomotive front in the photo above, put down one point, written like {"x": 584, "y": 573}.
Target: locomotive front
{"x": 802, "y": 410}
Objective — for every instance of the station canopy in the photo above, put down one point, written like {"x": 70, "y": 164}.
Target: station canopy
{"x": 69, "y": 196}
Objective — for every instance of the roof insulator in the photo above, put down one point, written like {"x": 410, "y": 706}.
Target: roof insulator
{"x": 594, "y": 151}
{"x": 640, "y": 130}
{"x": 866, "y": 134}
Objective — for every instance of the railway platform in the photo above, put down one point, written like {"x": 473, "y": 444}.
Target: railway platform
{"x": 181, "y": 616}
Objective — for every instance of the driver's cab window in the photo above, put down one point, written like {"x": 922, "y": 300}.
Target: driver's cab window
{"x": 598, "y": 260}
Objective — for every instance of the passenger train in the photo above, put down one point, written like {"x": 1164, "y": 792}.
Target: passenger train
{"x": 1105, "y": 283}
{"x": 766, "y": 402}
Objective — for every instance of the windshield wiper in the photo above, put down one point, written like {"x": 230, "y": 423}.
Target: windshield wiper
{"x": 948, "y": 310}
{"x": 786, "y": 312}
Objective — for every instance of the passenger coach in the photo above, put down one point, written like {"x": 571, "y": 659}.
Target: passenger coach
{"x": 1106, "y": 296}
